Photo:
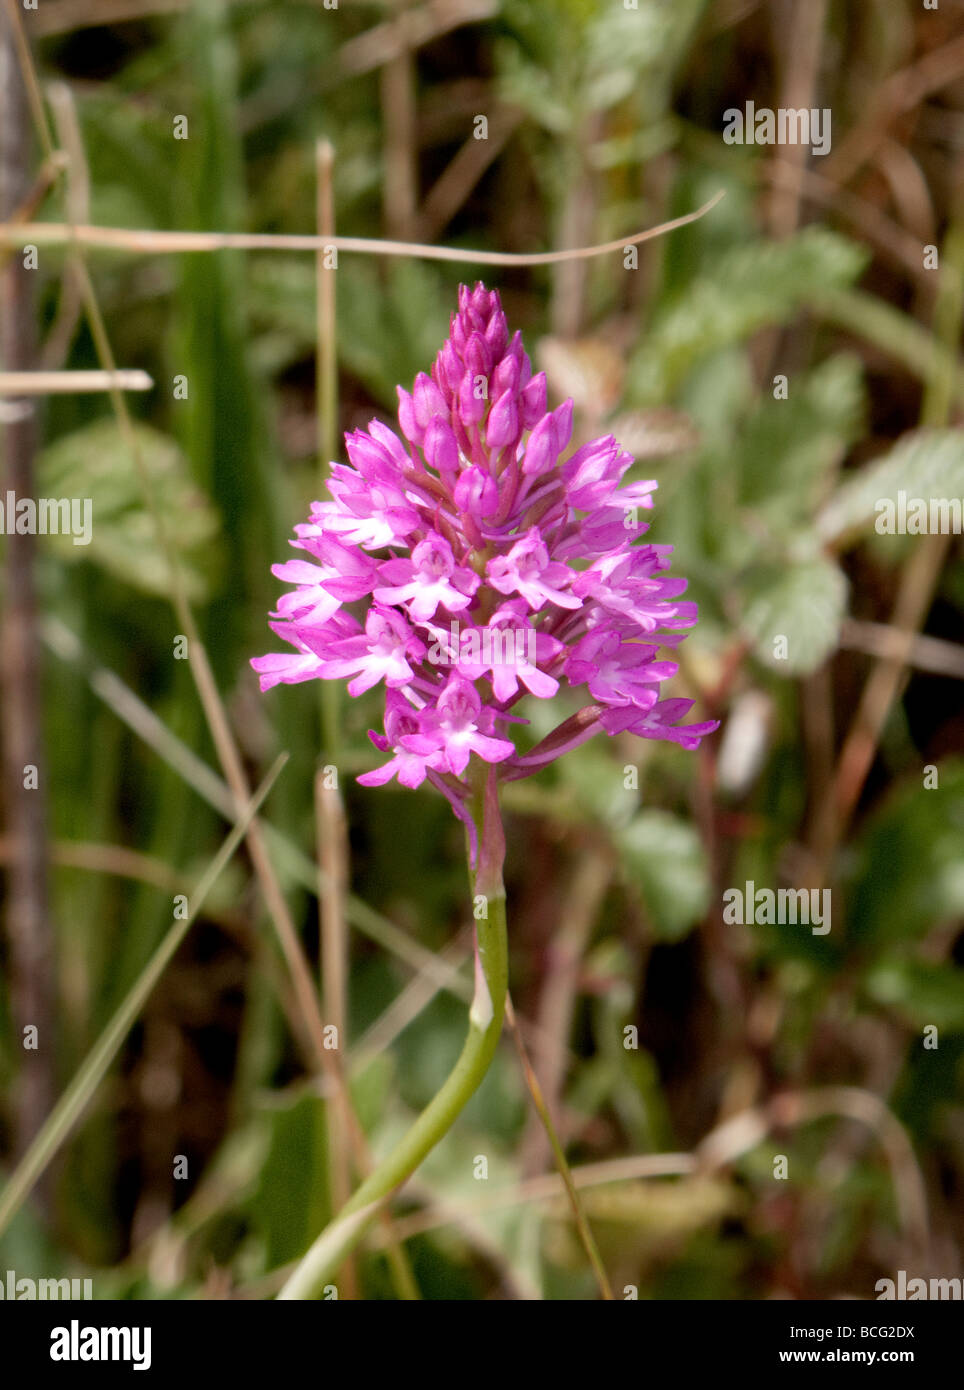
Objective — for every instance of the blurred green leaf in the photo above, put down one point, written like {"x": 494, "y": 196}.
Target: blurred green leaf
{"x": 95, "y": 462}
{"x": 748, "y": 288}
{"x": 802, "y": 602}
{"x": 924, "y": 464}
{"x": 391, "y": 320}
{"x": 789, "y": 446}
{"x": 391, "y": 324}
{"x": 290, "y": 1204}
{"x": 921, "y": 991}
{"x": 889, "y": 329}
{"x": 665, "y": 857}
{"x": 909, "y": 871}
{"x": 598, "y": 785}
{"x": 624, "y": 45}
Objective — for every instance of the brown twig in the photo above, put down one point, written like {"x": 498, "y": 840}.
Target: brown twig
{"x": 64, "y": 16}
{"x": 402, "y": 33}
{"x": 576, "y": 219}
{"x": 931, "y": 654}
{"x": 890, "y": 239}
{"x": 914, "y": 598}
{"x": 802, "y": 45}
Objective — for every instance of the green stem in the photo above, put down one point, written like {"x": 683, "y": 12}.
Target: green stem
{"x": 341, "y": 1235}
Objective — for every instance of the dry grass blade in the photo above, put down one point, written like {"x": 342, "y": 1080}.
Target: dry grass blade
{"x": 175, "y": 243}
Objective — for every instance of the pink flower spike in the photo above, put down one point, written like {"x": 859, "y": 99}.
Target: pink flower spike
{"x": 469, "y": 529}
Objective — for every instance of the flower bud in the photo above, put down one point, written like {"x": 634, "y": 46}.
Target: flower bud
{"x": 502, "y": 426}
{"x": 448, "y": 370}
{"x": 541, "y": 452}
{"x": 471, "y": 406}
{"x": 476, "y": 492}
{"x": 428, "y": 400}
{"x": 457, "y": 333}
{"x": 532, "y": 406}
{"x": 406, "y": 417}
{"x": 563, "y": 418}
{"x": 506, "y": 376}
{"x": 477, "y": 356}
{"x": 497, "y": 334}
{"x": 440, "y": 449}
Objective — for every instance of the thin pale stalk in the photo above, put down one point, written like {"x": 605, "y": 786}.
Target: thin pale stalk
{"x": 327, "y": 357}
{"x": 41, "y": 383}
{"x": 558, "y": 1153}
{"x": 399, "y": 151}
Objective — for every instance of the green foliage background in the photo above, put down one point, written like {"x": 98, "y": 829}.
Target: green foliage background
{"x": 613, "y": 122}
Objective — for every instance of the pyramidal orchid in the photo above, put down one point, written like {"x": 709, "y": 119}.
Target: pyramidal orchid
{"x": 465, "y": 563}
{"x": 491, "y": 564}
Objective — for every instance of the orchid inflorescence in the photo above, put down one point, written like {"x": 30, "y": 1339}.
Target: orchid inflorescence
{"x": 491, "y": 569}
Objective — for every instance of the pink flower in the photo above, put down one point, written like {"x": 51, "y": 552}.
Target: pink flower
{"x": 429, "y": 578}
{"x": 310, "y": 602}
{"x": 478, "y": 546}
{"x": 617, "y": 672}
{"x": 659, "y": 721}
{"x": 459, "y": 721}
{"x": 415, "y": 753}
{"x": 382, "y": 653}
{"x": 527, "y": 570}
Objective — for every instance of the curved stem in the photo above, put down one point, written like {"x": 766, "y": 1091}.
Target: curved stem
{"x": 341, "y": 1235}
